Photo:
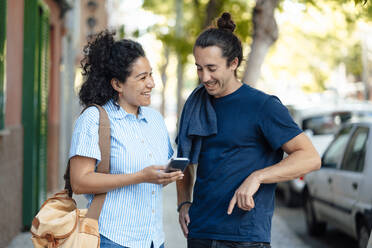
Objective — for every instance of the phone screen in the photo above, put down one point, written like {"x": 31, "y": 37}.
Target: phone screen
{"x": 177, "y": 164}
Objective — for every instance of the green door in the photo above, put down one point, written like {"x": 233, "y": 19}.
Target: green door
{"x": 2, "y": 61}
{"x": 35, "y": 106}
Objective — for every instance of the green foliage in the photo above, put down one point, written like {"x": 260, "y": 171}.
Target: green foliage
{"x": 165, "y": 7}
{"x": 338, "y": 46}
{"x": 194, "y": 18}
{"x": 361, "y": 2}
{"x": 121, "y": 32}
{"x": 316, "y": 52}
{"x": 362, "y": 9}
{"x": 353, "y": 61}
{"x": 241, "y": 11}
{"x": 136, "y": 33}
{"x": 176, "y": 44}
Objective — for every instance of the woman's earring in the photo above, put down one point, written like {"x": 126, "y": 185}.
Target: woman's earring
{"x": 120, "y": 94}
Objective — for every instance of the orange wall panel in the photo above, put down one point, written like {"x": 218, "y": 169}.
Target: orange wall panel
{"x": 14, "y": 63}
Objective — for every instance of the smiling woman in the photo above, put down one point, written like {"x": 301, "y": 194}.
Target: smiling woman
{"x": 118, "y": 77}
{"x": 106, "y": 64}
{"x": 137, "y": 89}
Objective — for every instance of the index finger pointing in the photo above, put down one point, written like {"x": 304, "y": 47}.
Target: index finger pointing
{"x": 231, "y": 205}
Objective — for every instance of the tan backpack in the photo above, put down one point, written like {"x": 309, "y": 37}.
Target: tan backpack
{"x": 59, "y": 223}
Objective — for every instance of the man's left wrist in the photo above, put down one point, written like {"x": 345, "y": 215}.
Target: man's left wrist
{"x": 182, "y": 204}
{"x": 258, "y": 176}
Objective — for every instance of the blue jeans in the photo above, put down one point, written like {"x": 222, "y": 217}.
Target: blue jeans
{"x": 107, "y": 243}
{"x": 209, "y": 243}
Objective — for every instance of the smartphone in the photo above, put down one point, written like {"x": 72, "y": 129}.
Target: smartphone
{"x": 176, "y": 164}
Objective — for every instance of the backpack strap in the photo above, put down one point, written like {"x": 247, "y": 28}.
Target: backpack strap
{"x": 104, "y": 165}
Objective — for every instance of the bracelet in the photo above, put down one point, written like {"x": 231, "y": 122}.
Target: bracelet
{"x": 181, "y": 205}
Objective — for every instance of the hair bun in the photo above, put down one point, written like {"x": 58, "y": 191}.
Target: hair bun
{"x": 225, "y": 22}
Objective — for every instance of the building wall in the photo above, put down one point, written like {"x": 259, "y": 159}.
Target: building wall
{"x": 56, "y": 33}
{"x": 69, "y": 106}
{"x": 99, "y": 14}
{"x": 11, "y": 184}
{"x": 14, "y": 63}
{"x": 11, "y": 142}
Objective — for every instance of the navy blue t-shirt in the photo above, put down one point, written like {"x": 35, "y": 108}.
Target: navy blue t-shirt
{"x": 252, "y": 127}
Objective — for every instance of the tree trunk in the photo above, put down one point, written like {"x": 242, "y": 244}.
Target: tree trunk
{"x": 180, "y": 66}
{"x": 265, "y": 33}
{"x": 180, "y": 101}
{"x": 365, "y": 76}
{"x": 164, "y": 79}
{"x": 213, "y": 9}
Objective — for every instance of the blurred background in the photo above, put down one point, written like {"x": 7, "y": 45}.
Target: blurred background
{"x": 316, "y": 56}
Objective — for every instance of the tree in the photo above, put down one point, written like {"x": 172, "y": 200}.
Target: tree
{"x": 164, "y": 79}
{"x": 265, "y": 33}
{"x": 180, "y": 60}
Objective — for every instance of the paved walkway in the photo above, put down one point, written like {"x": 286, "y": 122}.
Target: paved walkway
{"x": 282, "y": 236}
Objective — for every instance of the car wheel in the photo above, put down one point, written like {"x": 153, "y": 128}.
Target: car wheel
{"x": 313, "y": 226}
{"x": 363, "y": 236}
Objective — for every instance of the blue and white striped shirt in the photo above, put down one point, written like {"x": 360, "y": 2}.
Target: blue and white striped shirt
{"x": 132, "y": 215}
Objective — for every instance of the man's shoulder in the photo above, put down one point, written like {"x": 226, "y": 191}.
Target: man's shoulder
{"x": 253, "y": 96}
{"x": 255, "y": 91}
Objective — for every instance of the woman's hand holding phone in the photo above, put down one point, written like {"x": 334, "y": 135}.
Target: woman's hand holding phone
{"x": 156, "y": 174}
{"x": 177, "y": 164}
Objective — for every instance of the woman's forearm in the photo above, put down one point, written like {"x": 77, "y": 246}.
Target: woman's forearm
{"x": 96, "y": 183}
{"x": 84, "y": 180}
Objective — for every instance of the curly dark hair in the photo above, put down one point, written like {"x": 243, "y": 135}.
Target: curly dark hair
{"x": 223, "y": 37}
{"x": 105, "y": 59}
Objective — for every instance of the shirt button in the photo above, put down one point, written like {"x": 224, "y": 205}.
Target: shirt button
{"x": 142, "y": 141}
{"x": 150, "y": 155}
{"x": 153, "y": 192}
{"x": 153, "y": 211}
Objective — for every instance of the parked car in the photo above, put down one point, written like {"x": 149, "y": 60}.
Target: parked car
{"x": 320, "y": 123}
{"x": 340, "y": 192}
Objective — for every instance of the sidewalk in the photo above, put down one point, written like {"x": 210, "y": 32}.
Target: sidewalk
{"x": 282, "y": 236}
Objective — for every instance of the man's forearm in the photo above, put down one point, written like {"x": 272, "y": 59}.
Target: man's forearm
{"x": 185, "y": 186}
{"x": 293, "y": 166}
